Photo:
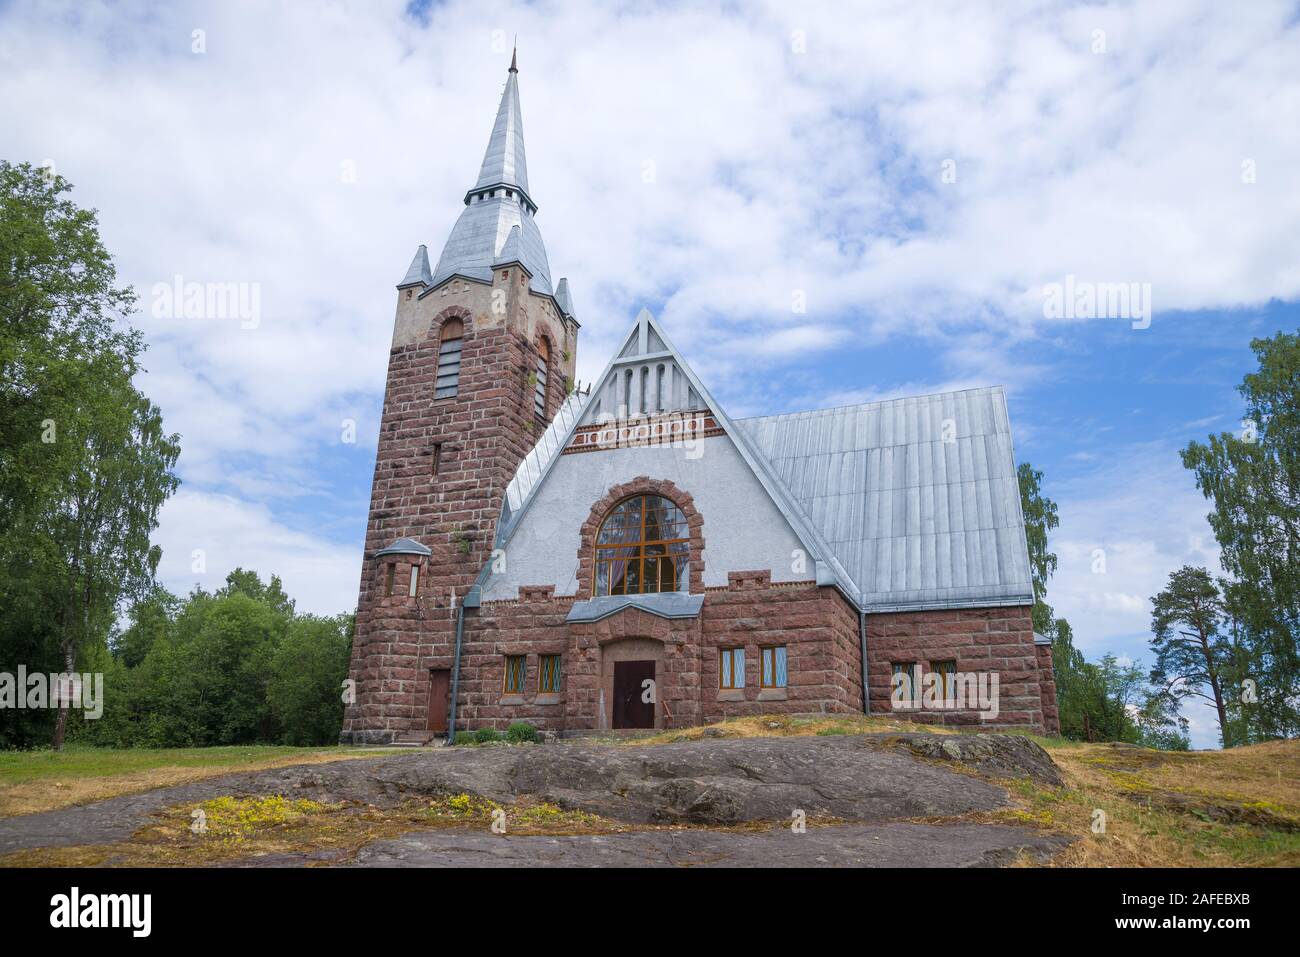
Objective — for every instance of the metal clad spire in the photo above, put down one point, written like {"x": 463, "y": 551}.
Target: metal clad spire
{"x": 504, "y": 162}
{"x": 498, "y": 206}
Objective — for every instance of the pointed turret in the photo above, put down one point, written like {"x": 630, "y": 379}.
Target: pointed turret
{"x": 419, "y": 270}
{"x": 510, "y": 252}
{"x": 564, "y": 297}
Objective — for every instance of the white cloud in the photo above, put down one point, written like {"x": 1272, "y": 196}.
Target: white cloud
{"x": 774, "y": 171}
{"x": 1126, "y": 524}
{"x": 223, "y": 533}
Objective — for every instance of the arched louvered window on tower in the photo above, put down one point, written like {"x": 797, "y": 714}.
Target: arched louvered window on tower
{"x": 539, "y": 391}
{"x": 449, "y": 343}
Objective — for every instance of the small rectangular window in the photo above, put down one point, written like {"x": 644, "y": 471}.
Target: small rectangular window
{"x": 907, "y": 688}
{"x": 773, "y": 670}
{"x": 514, "y": 683}
{"x": 731, "y": 668}
{"x": 946, "y": 683}
{"x": 388, "y": 583}
{"x": 415, "y": 580}
{"x": 437, "y": 457}
{"x": 548, "y": 679}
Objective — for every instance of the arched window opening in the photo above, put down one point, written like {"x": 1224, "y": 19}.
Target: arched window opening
{"x": 448, "y": 381}
{"x": 643, "y": 546}
{"x": 659, "y": 388}
{"x": 539, "y": 391}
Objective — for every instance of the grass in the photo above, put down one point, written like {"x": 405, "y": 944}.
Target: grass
{"x": 228, "y": 829}
{"x": 32, "y": 781}
{"x": 1234, "y": 808}
{"x": 780, "y": 726}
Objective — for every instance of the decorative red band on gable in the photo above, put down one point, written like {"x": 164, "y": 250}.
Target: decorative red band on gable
{"x": 667, "y": 429}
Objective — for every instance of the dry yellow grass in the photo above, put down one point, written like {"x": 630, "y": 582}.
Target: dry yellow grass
{"x": 1169, "y": 809}
{"x": 1232, "y": 808}
{"x": 50, "y": 792}
{"x": 1161, "y": 809}
{"x": 780, "y": 725}
{"x": 239, "y": 829}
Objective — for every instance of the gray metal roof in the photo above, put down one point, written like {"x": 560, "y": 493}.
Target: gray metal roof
{"x": 405, "y": 546}
{"x": 916, "y": 497}
{"x": 537, "y": 463}
{"x": 480, "y": 235}
{"x": 419, "y": 269}
{"x": 563, "y": 297}
{"x": 481, "y": 232}
{"x": 504, "y": 161}
{"x": 668, "y": 604}
{"x": 510, "y": 252}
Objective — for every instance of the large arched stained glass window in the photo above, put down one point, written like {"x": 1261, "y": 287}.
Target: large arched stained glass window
{"x": 643, "y": 546}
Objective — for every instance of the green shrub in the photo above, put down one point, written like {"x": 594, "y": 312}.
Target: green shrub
{"x": 521, "y": 732}
{"x": 486, "y": 735}
{"x": 464, "y": 737}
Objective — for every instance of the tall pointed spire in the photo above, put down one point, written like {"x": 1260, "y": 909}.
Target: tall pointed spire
{"x": 497, "y": 205}
{"x": 504, "y": 163}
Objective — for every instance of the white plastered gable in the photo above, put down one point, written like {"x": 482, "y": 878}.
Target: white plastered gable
{"x": 750, "y": 522}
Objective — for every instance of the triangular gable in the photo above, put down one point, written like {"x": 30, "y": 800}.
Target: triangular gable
{"x": 608, "y": 397}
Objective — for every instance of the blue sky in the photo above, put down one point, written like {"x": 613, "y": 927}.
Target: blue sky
{"x": 710, "y": 162}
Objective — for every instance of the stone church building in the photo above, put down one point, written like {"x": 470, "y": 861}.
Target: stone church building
{"x": 629, "y": 556}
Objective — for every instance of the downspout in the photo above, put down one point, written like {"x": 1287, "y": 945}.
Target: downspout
{"x": 862, "y": 638}
{"x": 455, "y": 674}
{"x": 471, "y": 600}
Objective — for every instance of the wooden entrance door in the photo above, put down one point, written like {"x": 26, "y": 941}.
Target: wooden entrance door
{"x": 439, "y": 683}
{"x": 630, "y": 711}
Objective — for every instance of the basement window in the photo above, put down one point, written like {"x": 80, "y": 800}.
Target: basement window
{"x": 773, "y": 672}
{"x": 945, "y": 682}
{"x": 731, "y": 668}
{"x": 514, "y": 683}
{"x": 905, "y": 687}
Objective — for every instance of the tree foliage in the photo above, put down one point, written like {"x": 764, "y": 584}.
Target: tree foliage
{"x": 1096, "y": 701}
{"x": 235, "y": 666}
{"x": 85, "y": 464}
{"x": 1192, "y": 659}
{"x": 1252, "y": 480}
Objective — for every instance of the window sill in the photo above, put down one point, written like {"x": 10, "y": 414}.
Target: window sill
{"x": 511, "y": 699}
{"x": 547, "y": 699}
{"x": 731, "y": 694}
{"x": 772, "y": 694}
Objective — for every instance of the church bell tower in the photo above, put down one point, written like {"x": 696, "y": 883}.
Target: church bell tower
{"x": 482, "y": 356}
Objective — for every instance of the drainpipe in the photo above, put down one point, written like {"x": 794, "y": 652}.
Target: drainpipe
{"x": 455, "y": 674}
{"x": 862, "y": 638}
{"x": 471, "y": 600}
